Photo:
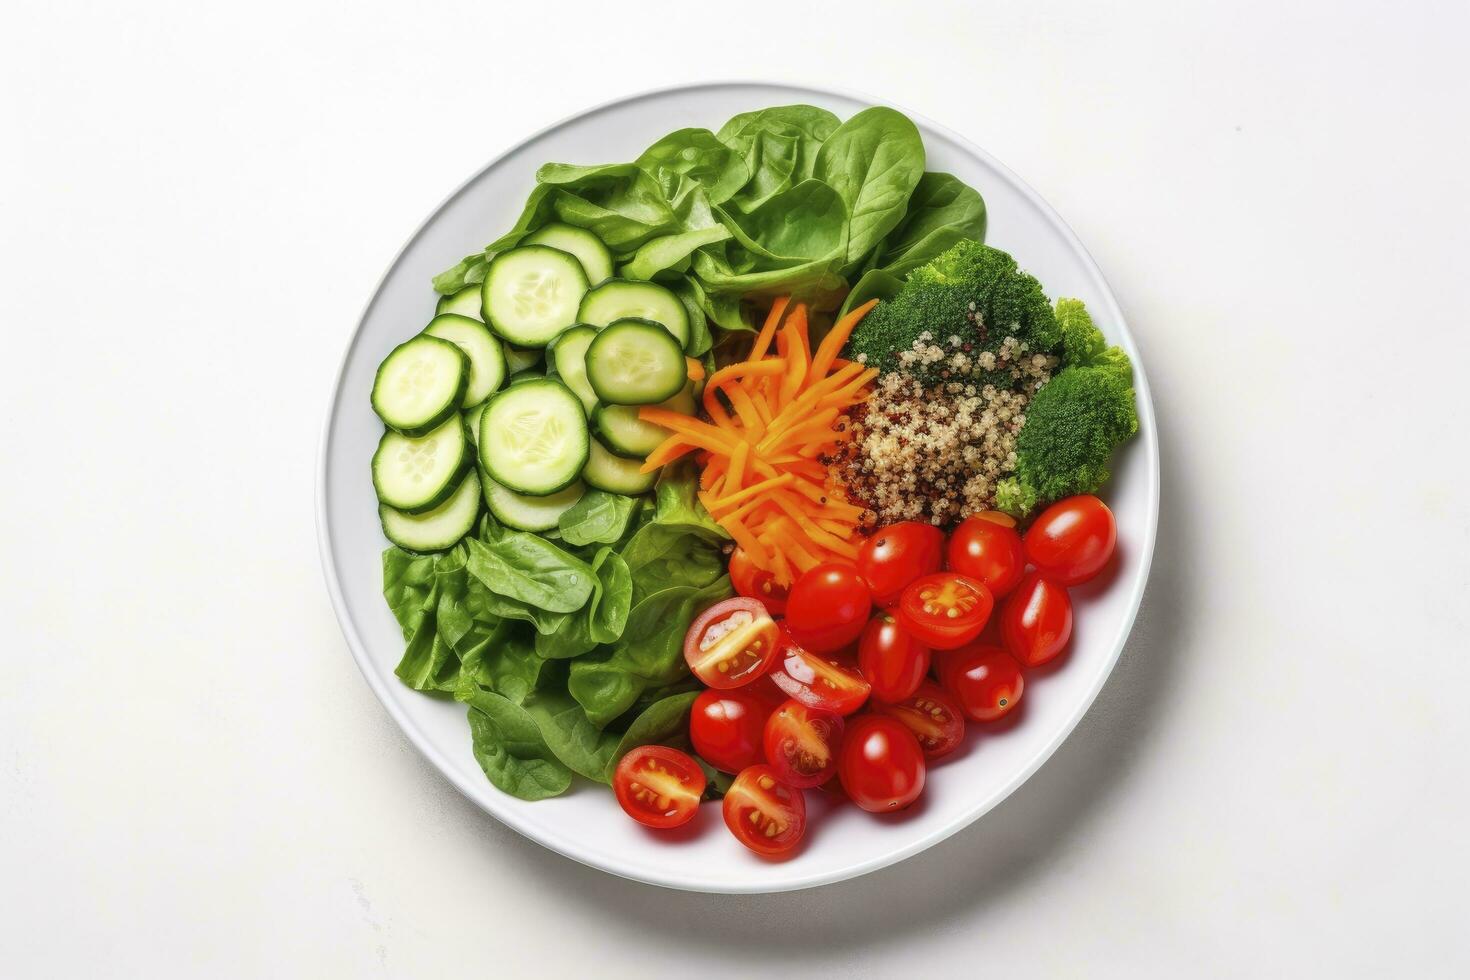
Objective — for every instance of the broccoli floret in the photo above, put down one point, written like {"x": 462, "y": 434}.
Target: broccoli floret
{"x": 973, "y": 292}
{"x": 1083, "y": 344}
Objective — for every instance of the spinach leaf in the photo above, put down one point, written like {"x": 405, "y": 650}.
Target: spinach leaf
{"x": 660, "y": 557}
{"x": 509, "y": 747}
{"x": 779, "y": 146}
{"x": 505, "y": 662}
{"x": 572, "y": 738}
{"x": 941, "y": 211}
{"x": 663, "y": 721}
{"x": 408, "y": 585}
{"x": 601, "y": 620}
{"x": 468, "y": 270}
{"x": 699, "y": 156}
{"x": 670, "y": 251}
{"x": 619, "y": 203}
{"x": 598, "y": 517}
{"x": 677, "y": 503}
{"x": 526, "y": 567}
{"x": 805, "y": 222}
{"x": 874, "y": 161}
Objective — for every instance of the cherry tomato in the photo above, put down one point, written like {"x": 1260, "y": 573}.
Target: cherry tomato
{"x": 756, "y": 583}
{"x": 881, "y": 765}
{"x": 658, "y": 786}
{"x": 731, "y": 643}
{"x": 763, "y": 813}
{"x": 726, "y": 727}
{"x": 818, "y": 680}
{"x": 896, "y": 555}
{"x": 1036, "y": 622}
{"x": 985, "y": 680}
{"x": 828, "y": 607}
{"x": 945, "y": 610}
{"x": 934, "y": 717}
{"x": 891, "y": 660}
{"x": 1072, "y": 539}
{"x": 988, "y": 552}
{"x": 801, "y": 744}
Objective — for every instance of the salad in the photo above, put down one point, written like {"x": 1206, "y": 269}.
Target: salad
{"x": 743, "y": 470}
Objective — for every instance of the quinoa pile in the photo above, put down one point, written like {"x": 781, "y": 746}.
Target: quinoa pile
{"x": 939, "y": 432}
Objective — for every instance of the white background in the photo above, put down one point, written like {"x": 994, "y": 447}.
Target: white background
{"x": 196, "y": 200}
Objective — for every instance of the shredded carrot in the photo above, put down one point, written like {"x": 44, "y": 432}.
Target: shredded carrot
{"x": 736, "y": 475}
{"x": 668, "y": 451}
{"x": 768, "y": 329}
{"x": 836, "y": 337}
{"x": 696, "y": 368}
{"x": 765, "y": 486}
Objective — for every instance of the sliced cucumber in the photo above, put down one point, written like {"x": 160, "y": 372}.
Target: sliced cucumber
{"x": 635, "y": 362}
{"x": 615, "y": 474}
{"x": 466, "y": 302}
{"x": 567, "y": 357}
{"x": 533, "y": 437}
{"x": 487, "y": 357}
{"x": 621, "y": 431}
{"x": 415, "y": 474}
{"x": 527, "y": 513}
{"x": 588, "y": 248}
{"x": 521, "y": 358}
{"x": 531, "y": 293}
{"x": 618, "y": 299}
{"x": 523, "y": 377}
{"x": 438, "y": 529}
{"x": 417, "y": 382}
{"x": 472, "y": 422}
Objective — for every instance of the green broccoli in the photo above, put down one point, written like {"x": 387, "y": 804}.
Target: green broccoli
{"x": 973, "y": 292}
{"x": 1083, "y": 344}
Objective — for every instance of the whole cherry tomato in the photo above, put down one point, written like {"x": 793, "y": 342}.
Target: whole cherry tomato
{"x": 1072, "y": 539}
{"x": 731, "y": 643}
{"x": 944, "y": 610}
{"x": 894, "y": 556}
{"x": 727, "y": 727}
{"x": 801, "y": 744}
{"x": 891, "y": 660}
{"x": 756, "y": 583}
{"x": 1036, "y": 622}
{"x": 763, "y": 813}
{"x": 934, "y": 717}
{"x": 985, "y": 680}
{"x": 818, "y": 680}
{"x": 658, "y": 786}
{"x": 989, "y": 552}
{"x": 828, "y": 607}
{"x": 881, "y": 765}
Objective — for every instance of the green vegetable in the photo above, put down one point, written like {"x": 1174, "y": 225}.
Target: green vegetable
{"x": 598, "y": 517}
{"x": 509, "y": 747}
{"x": 665, "y": 720}
{"x": 873, "y": 161}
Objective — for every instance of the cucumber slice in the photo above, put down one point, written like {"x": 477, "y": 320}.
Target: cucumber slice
{"x": 533, "y": 437}
{"x": 614, "y": 473}
{"x": 618, "y": 299}
{"x": 472, "y": 422}
{"x": 420, "y": 384}
{"x": 438, "y": 529}
{"x": 635, "y": 362}
{"x": 532, "y": 293}
{"x": 567, "y": 357}
{"x": 416, "y": 474}
{"x": 596, "y": 260}
{"x": 527, "y": 513}
{"x": 487, "y": 358}
{"x": 520, "y": 359}
{"x": 466, "y": 302}
{"x": 622, "y": 432}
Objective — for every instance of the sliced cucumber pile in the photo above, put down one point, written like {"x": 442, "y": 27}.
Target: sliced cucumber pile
{"x": 615, "y": 474}
{"x": 526, "y": 513}
{"x": 596, "y": 260}
{"x": 531, "y": 293}
{"x": 466, "y": 302}
{"x": 487, "y": 358}
{"x": 619, "y": 299}
{"x": 437, "y": 529}
{"x": 418, "y": 473}
{"x": 635, "y": 362}
{"x": 472, "y": 422}
{"x": 567, "y": 357}
{"x": 420, "y": 384}
{"x": 623, "y": 433}
{"x": 520, "y": 359}
{"x": 533, "y": 437}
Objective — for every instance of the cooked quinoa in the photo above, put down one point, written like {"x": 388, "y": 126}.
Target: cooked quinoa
{"x": 939, "y": 433}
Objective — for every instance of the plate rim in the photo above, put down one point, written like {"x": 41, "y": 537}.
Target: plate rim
{"x": 570, "y": 849}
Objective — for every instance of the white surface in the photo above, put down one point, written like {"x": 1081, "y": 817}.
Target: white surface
{"x": 587, "y": 824}
{"x": 195, "y": 780}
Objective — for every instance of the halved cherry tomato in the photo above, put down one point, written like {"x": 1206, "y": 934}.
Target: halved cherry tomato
{"x": 934, "y": 717}
{"x": 726, "y": 727}
{"x": 985, "y": 680}
{"x": 1036, "y": 622}
{"x": 945, "y": 610}
{"x": 756, "y": 583}
{"x": 818, "y": 680}
{"x": 731, "y": 643}
{"x": 801, "y": 744}
{"x": 896, "y": 555}
{"x": 892, "y": 661}
{"x": 763, "y": 813}
{"x": 658, "y": 786}
{"x": 1072, "y": 539}
{"x": 881, "y": 766}
{"x": 988, "y": 552}
{"x": 828, "y": 607}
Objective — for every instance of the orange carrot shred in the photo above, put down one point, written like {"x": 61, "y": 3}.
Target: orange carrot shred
{"x": 836, "y": 337}
{"x": 768, "y": 329}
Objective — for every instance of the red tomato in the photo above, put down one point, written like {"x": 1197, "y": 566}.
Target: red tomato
{"x": 818, "y": 680}
{"x": 932, "y": 715}
{"x": 945, "y": 610}
{"x": 756, "y": 583}
{"x": 896, "y": 555}
{"x": 881, "y": 765}
{"x": 763, "y": 813}
{"x": 988, "y": 552}
{"x": 658, "y": 786}
{"x": 828, "y": 607}
{"x": 731, "y": 643}
{"x": 985, "y": 679}
{"x": 726, "y": 727}
{"x": 801, "y": 744}
{"x": 1072, "y": 539}
{"x": 892, "y": 661}
{"x": 1036, "y": 622}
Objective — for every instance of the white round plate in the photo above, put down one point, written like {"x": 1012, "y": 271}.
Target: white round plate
{"x": 586, "y": 823}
